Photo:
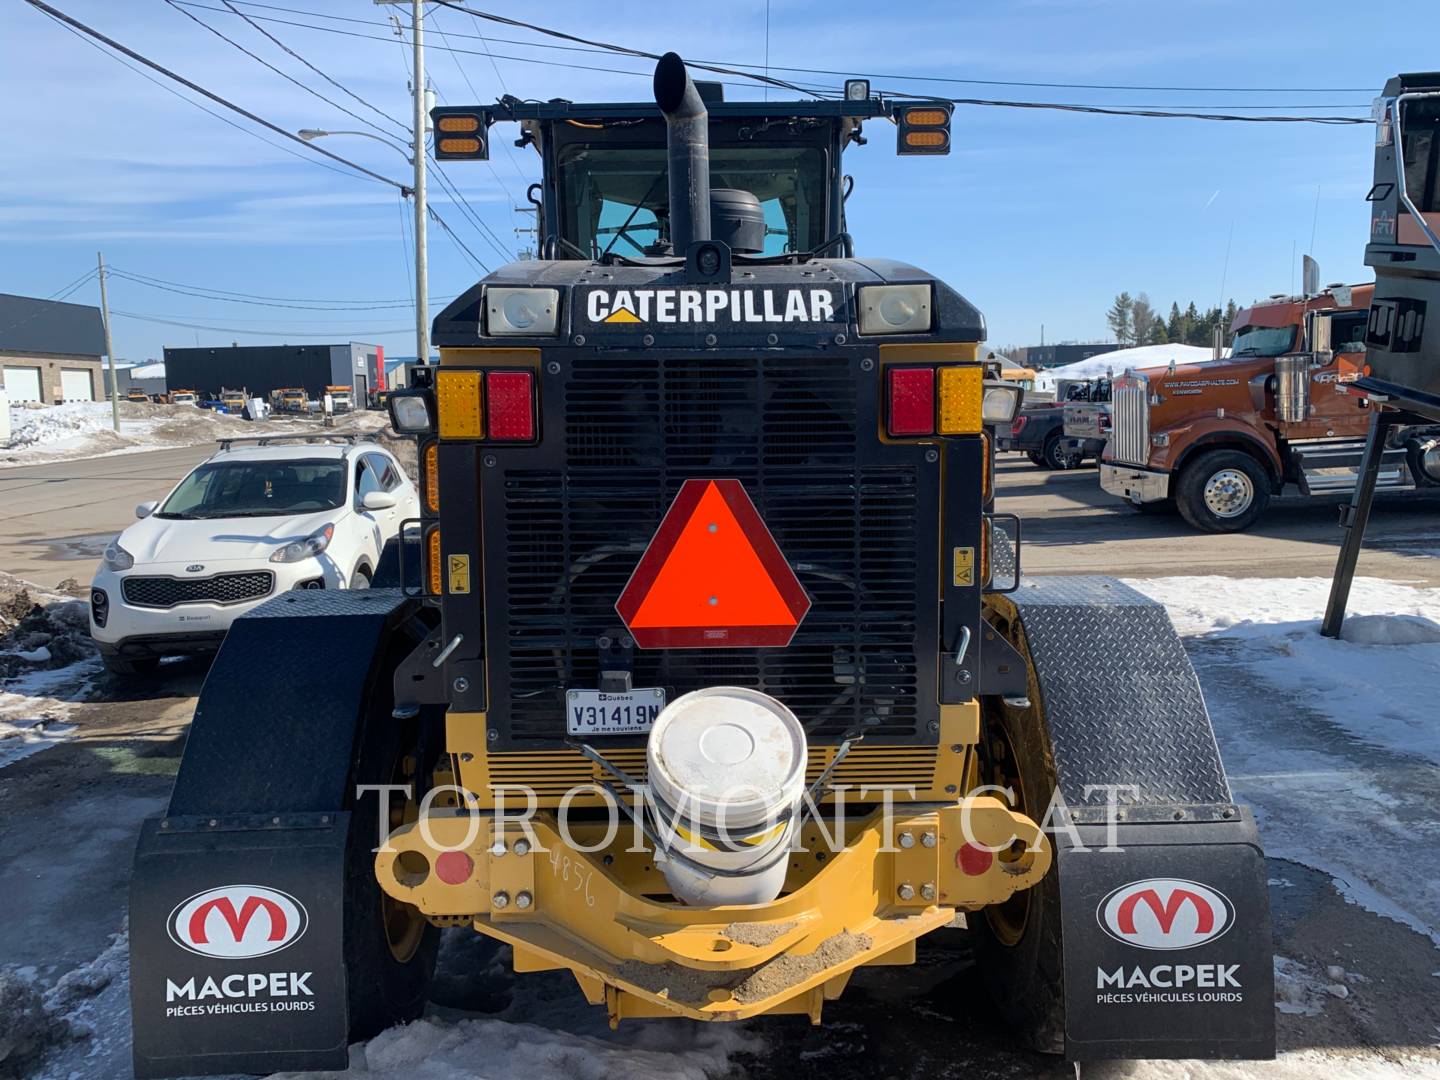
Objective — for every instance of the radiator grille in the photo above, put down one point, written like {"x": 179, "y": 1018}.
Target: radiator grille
{"x": 789, "y": 430}
{"x": 1130, "y": 419}
{"x": 167, "y": 592}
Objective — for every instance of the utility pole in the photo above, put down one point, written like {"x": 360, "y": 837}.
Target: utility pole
{"x": 109, "y": 348}
{"x": 422, "y": 273}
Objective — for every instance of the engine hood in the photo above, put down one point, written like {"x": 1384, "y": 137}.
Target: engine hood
{"x": 163, "y": 541}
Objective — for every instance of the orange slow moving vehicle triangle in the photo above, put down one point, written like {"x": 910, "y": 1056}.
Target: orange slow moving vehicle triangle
{"x": 712, "y": 577}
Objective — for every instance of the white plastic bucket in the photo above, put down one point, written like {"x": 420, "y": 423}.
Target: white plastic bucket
{"x": 727, "y": 777}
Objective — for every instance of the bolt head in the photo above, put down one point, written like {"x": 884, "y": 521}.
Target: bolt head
{"x": 522, "y": 847}
{"x": 500, "y": 900}
{"x": 523, "y": 900}
{"x": 553, "y": 367}
{"x": 461, "y": 684}
{"x": 906, "y": 891}
{"x": 907, "y": 840}
{"x": 927, "y": 891}
{"x": 498, "y": 848}
{"x": 927, "y": 839}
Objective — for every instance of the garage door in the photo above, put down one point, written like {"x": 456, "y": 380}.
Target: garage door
{"x": 22, "y": 383}
{"x": 75, "y": 384}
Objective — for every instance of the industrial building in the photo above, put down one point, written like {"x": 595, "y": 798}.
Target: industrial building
{"x": 49, "y": 351}
{"x": 147, "y": 377}
{"x": 1046, "y": 356}
{"x": 258, "y": 369}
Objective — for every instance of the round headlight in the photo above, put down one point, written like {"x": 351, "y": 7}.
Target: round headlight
{"x": 521, "y": 312}
{"x": 898, "y": 310}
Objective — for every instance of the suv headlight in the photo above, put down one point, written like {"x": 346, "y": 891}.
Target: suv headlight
{"x": 117, "y": 558}
{"x": 894, "y": 309}
{"x": 532, "y": 312}
{"x": 300, "y": 550}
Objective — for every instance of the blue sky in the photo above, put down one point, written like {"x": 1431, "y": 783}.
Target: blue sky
{"x": 1038, "y": 217}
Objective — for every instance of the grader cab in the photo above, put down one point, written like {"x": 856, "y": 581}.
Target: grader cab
{"x": 711, "y": 678}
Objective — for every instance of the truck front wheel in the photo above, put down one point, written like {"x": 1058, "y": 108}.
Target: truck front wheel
{"x": 1222, "y": 491}
{"x": 1058, "y": 455}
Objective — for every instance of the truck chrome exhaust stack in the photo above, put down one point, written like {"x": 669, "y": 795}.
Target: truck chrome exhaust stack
{"x": 688, "y": 146}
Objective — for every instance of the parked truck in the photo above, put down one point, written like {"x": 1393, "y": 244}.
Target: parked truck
{"x": 341, "y": 398}
{"x": 290, "y": 399}
{"x": 1041, "y": 429}
{"x": 708, "y": 550}
{"x": 1217, "y": 441}
{"x": 1402, "y": 345}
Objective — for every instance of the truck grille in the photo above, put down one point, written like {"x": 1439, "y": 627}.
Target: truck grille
{"x": 1130, "y": 419}
{"x": 167, "y": 592}
{"x": 787, "y": 428}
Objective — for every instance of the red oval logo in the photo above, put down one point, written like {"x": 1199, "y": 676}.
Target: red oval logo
{"x": 237, "y": 922}
{"x": 1165, "y": 913}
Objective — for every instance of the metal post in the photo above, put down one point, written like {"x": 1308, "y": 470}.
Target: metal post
{"x": 109, "y": 348}
{"x": 422, "y": 276}
{"x": 1354, "y": 519}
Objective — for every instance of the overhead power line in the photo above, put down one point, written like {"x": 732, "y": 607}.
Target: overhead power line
{"x": 1146, "y": 111}
{"x": 333, "y": 82}
{"x": 76, "y": 24}
{"x": 200, "y": 293}
{"x": 873, "y": 75}
{"x": 251, "y": 296}
{"x": 271, "y": 67}
{"x": 869, "y": 74}
{"x": 142, "y": 317}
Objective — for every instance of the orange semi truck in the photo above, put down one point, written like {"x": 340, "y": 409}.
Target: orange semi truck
{"x": 1215, "y": 441}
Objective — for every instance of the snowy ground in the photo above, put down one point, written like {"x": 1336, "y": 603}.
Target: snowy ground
{"x": 47, "y": 663}
{"x": 84, "y": 429}
{"x": 1335, "y": 744}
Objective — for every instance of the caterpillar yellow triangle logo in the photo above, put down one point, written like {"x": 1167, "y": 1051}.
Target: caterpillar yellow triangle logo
{"x": 622, "y": 314}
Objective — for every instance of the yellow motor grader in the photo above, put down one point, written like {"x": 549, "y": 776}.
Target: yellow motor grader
{"x": 708, "y": 674}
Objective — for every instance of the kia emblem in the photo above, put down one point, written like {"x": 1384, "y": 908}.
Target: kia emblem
{"x": 237, "y": 922}
{"x": 1165, "y": 913}
{"x": 194, "y": 568}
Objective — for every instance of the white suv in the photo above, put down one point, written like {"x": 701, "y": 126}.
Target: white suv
{"x": 248, "y": 523}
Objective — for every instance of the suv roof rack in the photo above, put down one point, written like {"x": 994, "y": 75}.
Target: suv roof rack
{"x": 269, "y": 440}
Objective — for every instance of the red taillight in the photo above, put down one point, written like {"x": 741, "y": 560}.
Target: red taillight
{"x": 912, "y": 401}
{"x": 510, "y": 405}
{"x": 1018, "y": 424}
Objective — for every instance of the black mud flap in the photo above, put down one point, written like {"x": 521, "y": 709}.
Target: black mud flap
{"x": 237, "y": 942}
{"x": 237, "y": 900}
{"x": 1167, "y": 950}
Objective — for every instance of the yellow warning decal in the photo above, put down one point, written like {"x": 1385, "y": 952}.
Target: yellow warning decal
{"x": 964, "y": 567}
{"x": 622, "y": 315}
{"x": 459, "y": 566}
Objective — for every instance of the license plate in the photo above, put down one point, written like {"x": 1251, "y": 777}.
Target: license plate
{"x": 593, "y": 712}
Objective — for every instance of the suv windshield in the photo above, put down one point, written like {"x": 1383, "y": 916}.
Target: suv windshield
{"x": 617, "y": 198}
{"x": 229, "y": 489}
{"x": 1262, "y": 341}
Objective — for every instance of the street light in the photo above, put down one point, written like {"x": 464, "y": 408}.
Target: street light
{"x": 311, "y": 134}
{"x": 422, "y": 269}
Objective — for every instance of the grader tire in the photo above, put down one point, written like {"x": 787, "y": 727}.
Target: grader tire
{"x": 390, "y": 949}
{"x": 1018, "y": 943}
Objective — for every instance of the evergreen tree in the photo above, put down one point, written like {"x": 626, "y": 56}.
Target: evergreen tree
{"x": 1194, "y": 326}
{"x": 1119, "y": 319}
{"x": 1159, "y": 331}
{"x": 1142, "y": 320}
{"x": 1175, "y": 328}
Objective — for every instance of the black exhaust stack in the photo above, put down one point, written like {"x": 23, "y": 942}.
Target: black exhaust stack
{"x": 688, "y": 144}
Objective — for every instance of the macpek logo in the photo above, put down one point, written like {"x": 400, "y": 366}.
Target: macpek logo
{"x": 1165, "y": 913}
{"x": 237, "y": 922}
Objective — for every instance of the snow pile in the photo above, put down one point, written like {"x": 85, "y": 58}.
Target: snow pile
{"x": 1379, "y": 684}
{"x": 1117, "y": 362}
{"x": 82, "y": 1020}
{"x": 46, "y": 662}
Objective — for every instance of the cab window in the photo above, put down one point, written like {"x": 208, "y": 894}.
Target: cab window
{"x": 1347, "y": 331}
